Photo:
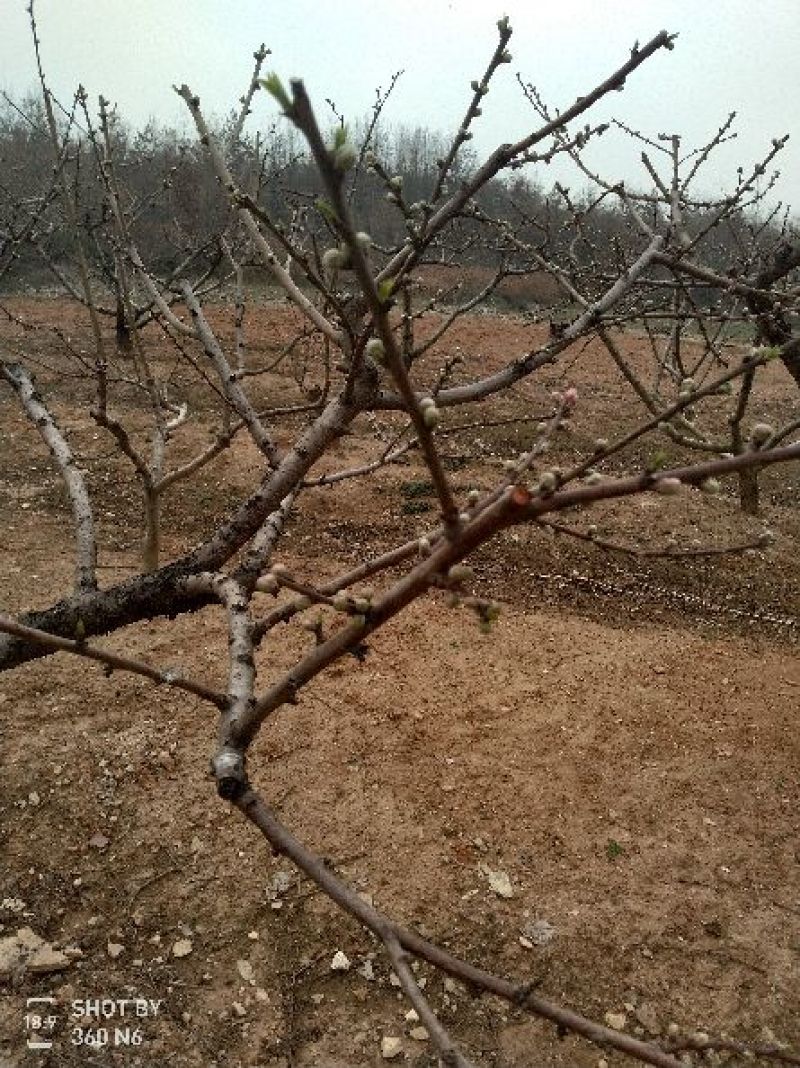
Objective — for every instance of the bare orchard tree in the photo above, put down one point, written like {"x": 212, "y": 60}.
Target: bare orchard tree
{"x": 363, "y": 357}
{"x": 729, "y": 270}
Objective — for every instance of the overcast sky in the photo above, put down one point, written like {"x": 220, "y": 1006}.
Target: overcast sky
{"x": 730, "y": 55}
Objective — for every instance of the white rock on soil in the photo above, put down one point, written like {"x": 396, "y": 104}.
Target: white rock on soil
{"x": 26, "y": 951}
{"x": 340, "y": 962}
{"x": 616, "y": 1020}
{"x": 45, "y": 960}
{"x": 182, "y": 948}
{"x": 499, "y": 882}
{"x": 391, "y": 1047}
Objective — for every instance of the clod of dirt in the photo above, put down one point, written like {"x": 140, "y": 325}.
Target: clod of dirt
{"x": 98, "y": 841}
{"x": 281, "y": 882}
{"x": 419, "y": 1034}
{"x": 646, "y": 1015}
{"x": 537, "y": 933}
{"x": 246, "y": 971}
{"x": 25, "y": 950}
{"x": 115, "y": 949}
{"x": 182, "y": 948}
{"x": 12, "y": 904}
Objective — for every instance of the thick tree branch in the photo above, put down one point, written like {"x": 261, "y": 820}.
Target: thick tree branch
{"x": 85, "y": 543}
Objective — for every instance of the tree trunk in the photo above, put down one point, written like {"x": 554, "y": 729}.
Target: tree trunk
{"x": 748, "y": 491}
{"x": 152, "y": 541}
{"x": 123, "y": 330}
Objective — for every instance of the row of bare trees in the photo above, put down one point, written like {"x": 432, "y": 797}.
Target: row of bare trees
{"x": 711, "y": 284}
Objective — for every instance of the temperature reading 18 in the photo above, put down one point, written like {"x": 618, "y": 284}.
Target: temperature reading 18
{"x": 98, "y": 1037}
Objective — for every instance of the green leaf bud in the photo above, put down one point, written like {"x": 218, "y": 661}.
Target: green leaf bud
{"x": 385, "y": 289}
{"x": 274, "y": 87}
{"x": 548, "y": 481}
{"x": 345, "y": 156}
{"x": 761, "y": 433}
{"x": 332, "y": 260}
{"x": 460, "y": 573}
{"x": 430, "y": 417}
{"x": 375, "y": 350}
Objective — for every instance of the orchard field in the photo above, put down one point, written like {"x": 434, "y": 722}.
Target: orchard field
{"x": 597, "y": 793}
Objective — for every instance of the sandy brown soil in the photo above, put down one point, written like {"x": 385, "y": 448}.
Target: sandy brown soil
{"x": 622, "y": 744}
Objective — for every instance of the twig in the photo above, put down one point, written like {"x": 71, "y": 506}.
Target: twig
{"x": 114, "y": 662}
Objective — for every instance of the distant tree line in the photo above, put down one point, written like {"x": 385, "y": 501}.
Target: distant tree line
{"x": 177, "y": 213}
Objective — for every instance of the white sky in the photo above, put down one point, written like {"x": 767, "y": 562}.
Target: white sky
{"x": 731, "y": 55}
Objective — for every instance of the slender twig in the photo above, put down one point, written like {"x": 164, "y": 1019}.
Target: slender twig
{"x": 113, "y": 661}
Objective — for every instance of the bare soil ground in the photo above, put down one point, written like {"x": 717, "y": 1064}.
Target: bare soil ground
{"x": 622, "y": 744}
